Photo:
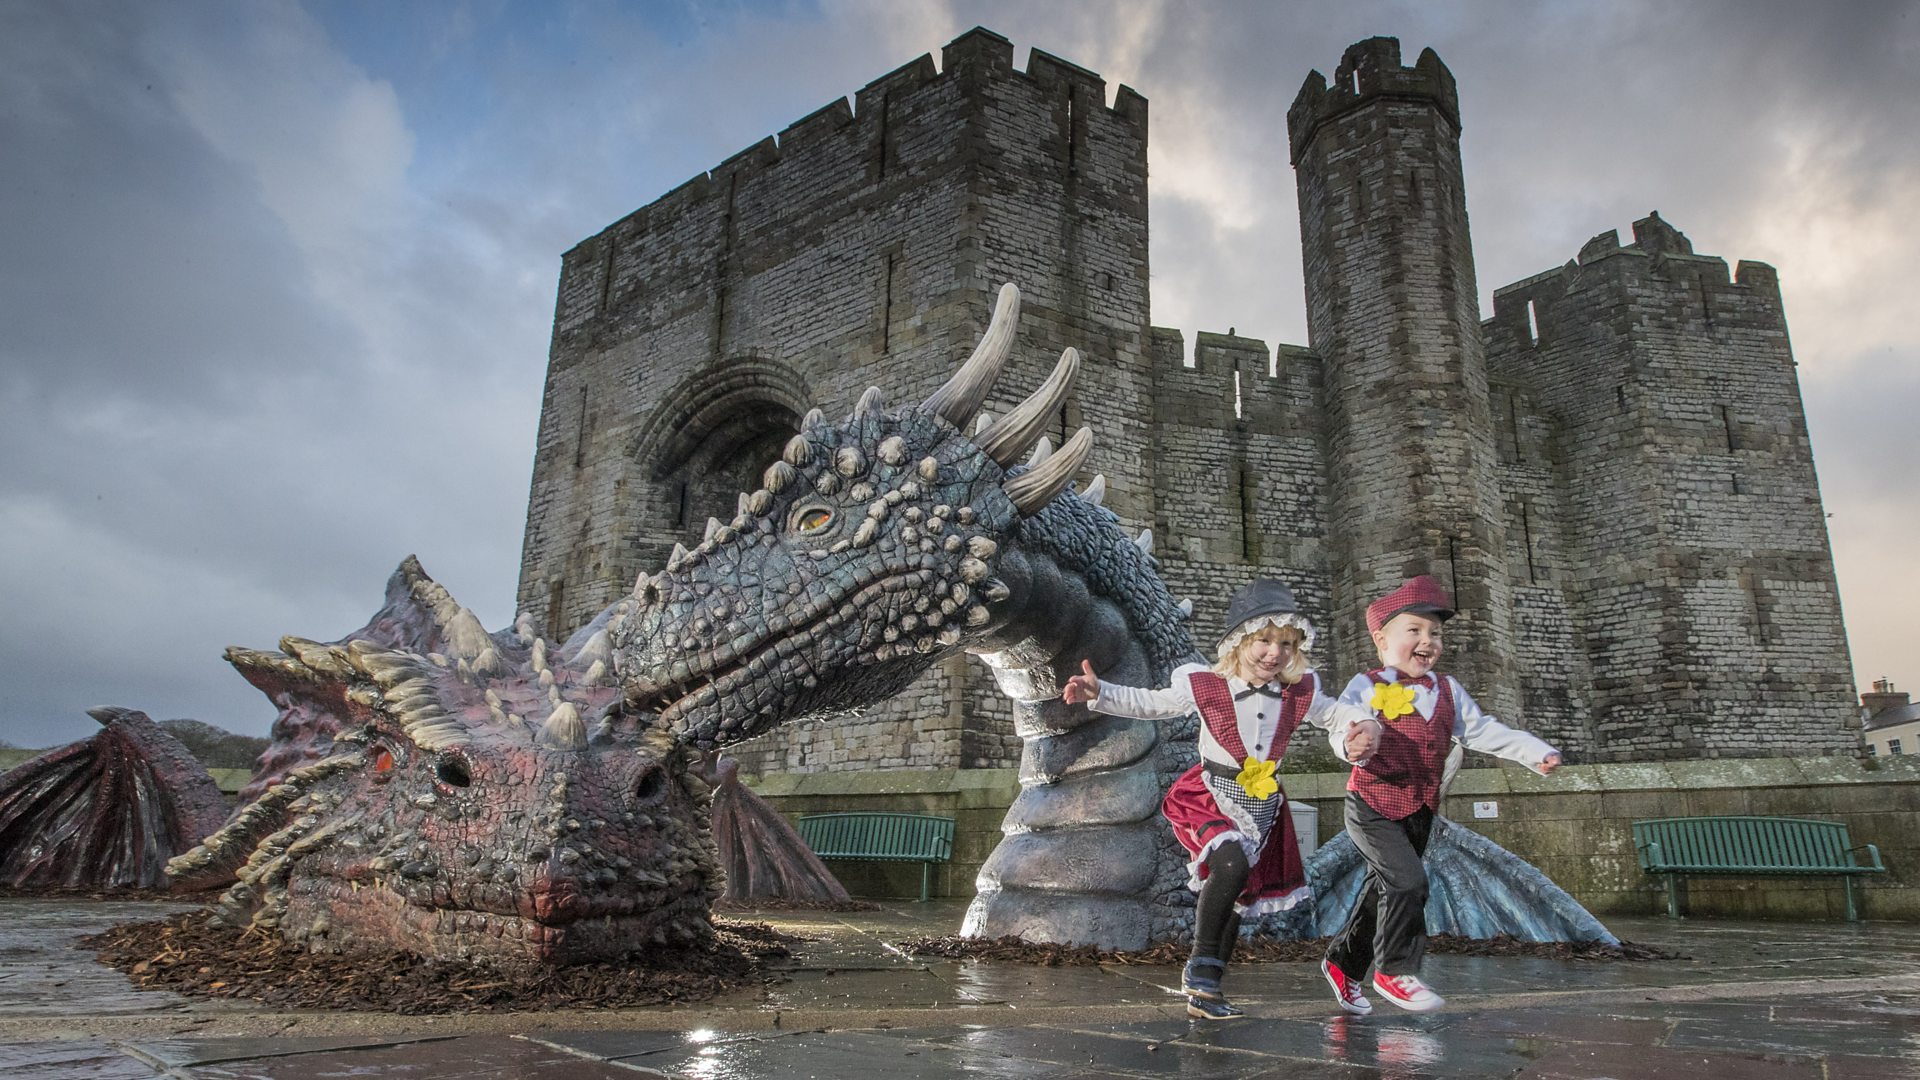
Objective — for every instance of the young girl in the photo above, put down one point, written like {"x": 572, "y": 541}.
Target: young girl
{"x": 1228, "y": 810}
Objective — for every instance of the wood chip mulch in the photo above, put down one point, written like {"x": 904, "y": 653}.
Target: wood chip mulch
{"x": 183, "y": 954}
{"x": 1261, "y": 950}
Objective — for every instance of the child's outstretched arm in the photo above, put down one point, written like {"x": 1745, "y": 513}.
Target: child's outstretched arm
{"x": 1352, "y": 730}
{"x": 1476, "y": 730}
{"x": 1134, "y": 701}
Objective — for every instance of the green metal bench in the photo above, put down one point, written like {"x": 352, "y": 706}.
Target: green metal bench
{"x": 1764, "y": 846}
{"x": 875, "y": 836}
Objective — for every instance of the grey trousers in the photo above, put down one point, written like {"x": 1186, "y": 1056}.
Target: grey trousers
{"x": 1388, "y": 927}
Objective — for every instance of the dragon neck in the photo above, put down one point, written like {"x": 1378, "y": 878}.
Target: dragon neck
{"x": 1080, "y": 590}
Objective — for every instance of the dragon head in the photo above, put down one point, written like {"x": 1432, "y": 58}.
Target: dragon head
{"x": 872, "y": 548}
{"x": 478, "y": 801}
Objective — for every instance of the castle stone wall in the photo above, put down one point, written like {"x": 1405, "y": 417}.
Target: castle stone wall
{"x": 1702, "y": 591}
{"x": 1612, "y": 472}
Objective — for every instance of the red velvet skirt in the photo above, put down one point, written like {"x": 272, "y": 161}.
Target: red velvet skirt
{"x": 1276, "y": 880}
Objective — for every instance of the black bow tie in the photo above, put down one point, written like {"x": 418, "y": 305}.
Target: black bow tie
{"x": 1264, "y": 689}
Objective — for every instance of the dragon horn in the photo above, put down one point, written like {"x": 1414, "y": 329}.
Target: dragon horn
{"x": 960, "y": 398}
{"x": 1011, "y": 435}
{"x": 1036, "y": 487}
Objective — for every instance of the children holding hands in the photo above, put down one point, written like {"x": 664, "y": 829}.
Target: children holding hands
{"x": 1228, "y": 810}
{"x": 1396, "y": 725}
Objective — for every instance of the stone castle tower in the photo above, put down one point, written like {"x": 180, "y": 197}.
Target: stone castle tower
{"x": 1612, "y": 473}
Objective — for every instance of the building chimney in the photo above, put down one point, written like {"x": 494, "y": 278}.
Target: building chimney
{"x": 1884, "y": 697}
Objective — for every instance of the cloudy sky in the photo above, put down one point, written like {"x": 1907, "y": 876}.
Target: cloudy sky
{"x": 276, "y": 279}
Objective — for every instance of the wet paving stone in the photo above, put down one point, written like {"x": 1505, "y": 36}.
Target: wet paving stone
{"x": 71, "y": 1060}
{"x": 483, "y": 1057}
{"x": 187, "y": 1052}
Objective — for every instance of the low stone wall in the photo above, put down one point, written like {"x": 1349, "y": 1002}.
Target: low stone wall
{"x": 1576, "y": 826}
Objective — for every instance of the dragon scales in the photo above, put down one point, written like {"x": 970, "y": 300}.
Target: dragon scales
{"x": 879, "y": 545}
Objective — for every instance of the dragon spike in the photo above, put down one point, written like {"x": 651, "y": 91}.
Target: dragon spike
{"x": 1042, "y": 450}
{"x": 1144, "y": 541}
{"x": 982, "y": 422}
{"x": 814, "y": 418}
{"x": 1010, "y": 435}
{"x": 871, "y": 402}
{"x": 1186, "y": 609}
{"x": 1096, "y": 492}
{"x": 713, "y": 526}
{"x": 1036, "y": 487}
{"x": 960, "y": 398}
{"x": 676, "y": 557}
{"x": 743, "y": 506}
{"x": 564, "y": 730}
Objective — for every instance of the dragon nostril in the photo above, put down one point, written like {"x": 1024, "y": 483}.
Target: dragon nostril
{"x": 453, "y": 772}
{"x": 652, "y": 784}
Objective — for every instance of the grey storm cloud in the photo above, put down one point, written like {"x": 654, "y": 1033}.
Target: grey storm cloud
{"x": 276, "y": 301}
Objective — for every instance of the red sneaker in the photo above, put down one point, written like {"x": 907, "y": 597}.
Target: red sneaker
{"x": 1408, "y": 992}
{"x": 1346, "y": 992}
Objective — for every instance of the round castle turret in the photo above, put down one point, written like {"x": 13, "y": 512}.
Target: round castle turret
{"x": 1393, "y": 311}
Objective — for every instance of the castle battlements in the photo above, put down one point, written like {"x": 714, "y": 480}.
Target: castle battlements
{"x": 1611, "y": 473}
{"x": 1660, "y": 262}
{"x": 1370, "y": 70}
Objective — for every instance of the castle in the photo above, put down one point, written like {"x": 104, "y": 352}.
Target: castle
{"x": 1612, "y": 473}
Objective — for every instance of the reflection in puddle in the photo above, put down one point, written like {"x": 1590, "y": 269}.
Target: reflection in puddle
{"x": 1366, "y": 1042}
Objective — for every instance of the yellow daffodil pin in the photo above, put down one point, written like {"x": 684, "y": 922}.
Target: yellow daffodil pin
{"x": 1392, "y": 699}
{"x": 1256, "y": 778}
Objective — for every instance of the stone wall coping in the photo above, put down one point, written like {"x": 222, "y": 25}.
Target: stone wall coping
{"x": 1638, "y": 776}
{"x": 991, "y": 783}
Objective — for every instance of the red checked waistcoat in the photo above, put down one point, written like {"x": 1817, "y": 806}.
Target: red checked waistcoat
{"x": 1215, "y": 699}
{"x": 1404, "y": 773}
{"x": 1189, "y": 805}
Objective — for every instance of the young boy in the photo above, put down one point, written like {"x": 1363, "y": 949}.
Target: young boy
{"x": 1400, "y": 762}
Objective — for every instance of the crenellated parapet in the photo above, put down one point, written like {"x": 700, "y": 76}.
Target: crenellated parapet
{"x": 1369, "y": 71}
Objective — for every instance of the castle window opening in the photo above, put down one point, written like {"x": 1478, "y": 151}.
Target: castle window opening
{"x": 1526, "y": 542}
{"x": 580, "y": 437}
{"x": 680, "y": 508}
{"x": 606, "y": 277}
{"x": 886, "y": 306}
{"x": 556, "y": 607}
{"x": 1726, "y": 421}
{"x": 1073, "y": 164}
{"x": 1533, "y": 323}
{"x": 1237, "y": 411}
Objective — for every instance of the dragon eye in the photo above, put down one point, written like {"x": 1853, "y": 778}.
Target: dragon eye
{"x": 813, "y": 519}
{"x": 383, "y": 760}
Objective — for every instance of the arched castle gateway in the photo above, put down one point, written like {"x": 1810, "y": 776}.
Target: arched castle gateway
{"x": 1612, "y": 472}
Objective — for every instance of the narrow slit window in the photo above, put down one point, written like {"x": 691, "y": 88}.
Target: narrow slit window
{"x": 556, "y": 607}
{"x": 1533, "y": 323}
{"x": 580, "y": 436}
{"x": 1249, "y": 517}
{"x": 606, "y": 276}
{"x": 1526, "y": 541}
{"x": 1726, "y": 421}
{"x": 1073, "y": 148}
{"x": 886, "y": 306}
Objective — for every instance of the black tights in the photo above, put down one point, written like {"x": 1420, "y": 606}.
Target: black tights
{"x": 1216, "y": 926}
